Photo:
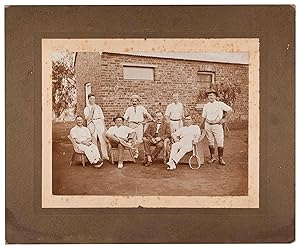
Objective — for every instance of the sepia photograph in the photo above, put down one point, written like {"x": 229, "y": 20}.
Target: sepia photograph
{"x": 151, "y": 123}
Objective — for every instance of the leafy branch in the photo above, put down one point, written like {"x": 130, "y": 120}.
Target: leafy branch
{"x": 63, "y": 84}
{"x": 227, "y": 92}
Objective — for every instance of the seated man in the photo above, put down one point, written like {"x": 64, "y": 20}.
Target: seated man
{"x": 184, "y": 139}
{"x": 155, "y": 134}
{"x": 121, "y": 136}
{"x": 83, "y": 138}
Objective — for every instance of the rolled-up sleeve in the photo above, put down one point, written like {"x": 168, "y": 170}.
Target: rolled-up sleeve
{"x": 109, "y": 131}
{"x": 73, "y": 133}
{"x": 101, "y": 113}
{"x": 126, "y": 115}
{"x": 86, "y": 112}
{"x": 204, "y": 112}
{"x": 226, "y": 108}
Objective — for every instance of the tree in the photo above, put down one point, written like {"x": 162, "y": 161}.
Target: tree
{"x": 228, "y": 92}
{"x": 63, "y": 83}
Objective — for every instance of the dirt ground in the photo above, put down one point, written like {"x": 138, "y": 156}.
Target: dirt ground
{"x": 136, "y": 179}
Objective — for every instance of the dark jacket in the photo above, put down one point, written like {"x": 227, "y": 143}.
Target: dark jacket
{"x": 164, "y": 130}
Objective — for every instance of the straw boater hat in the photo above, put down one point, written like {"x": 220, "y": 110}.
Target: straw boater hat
{"x": 118, "y": 116}
{"x": 211, "y": 91}
{"x": 134, "y": 96}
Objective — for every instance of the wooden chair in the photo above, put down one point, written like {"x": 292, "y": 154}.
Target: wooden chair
{"x": 199, "y": 151}
{"x": 78, "y": 155}
{"x": 113, "y": 153}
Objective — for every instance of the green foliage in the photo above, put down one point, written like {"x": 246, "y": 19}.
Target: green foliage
{"x": 63, "y": 84}
{"x": 228, "y": 92}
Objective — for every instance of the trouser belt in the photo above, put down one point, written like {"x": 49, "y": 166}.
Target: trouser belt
{"x": 212, "y": 123}
{"x": 135, "y": 122}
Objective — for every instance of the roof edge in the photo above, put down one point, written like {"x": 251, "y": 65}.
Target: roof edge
{"x": 169, "y": 58}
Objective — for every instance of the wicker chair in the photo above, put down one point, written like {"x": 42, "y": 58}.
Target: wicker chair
{"x": 114, "y": 153}
{"x": 78, "y": 155}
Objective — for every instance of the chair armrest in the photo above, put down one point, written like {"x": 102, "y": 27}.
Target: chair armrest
{"x": 166, "y": 143}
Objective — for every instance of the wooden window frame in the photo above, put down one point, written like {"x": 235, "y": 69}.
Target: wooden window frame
{"x": 85, "y": 91}
{"x": 146, "y": 66}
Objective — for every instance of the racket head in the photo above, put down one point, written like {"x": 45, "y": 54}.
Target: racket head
{"x": 194, "y": 162}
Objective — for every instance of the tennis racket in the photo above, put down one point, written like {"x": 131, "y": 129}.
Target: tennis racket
{"x": 194, "y": 160}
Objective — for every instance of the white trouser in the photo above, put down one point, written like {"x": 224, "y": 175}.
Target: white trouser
{"x": 213, "y": 132}
{"x": 179, "y": 149}
{"x": 91, "y": 152}
{"x": 99, "y": 133}
{"x": 175, "y": 125}
{"x": 138, "y": 128}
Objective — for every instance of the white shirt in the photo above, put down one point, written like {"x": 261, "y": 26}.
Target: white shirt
{"x": 214, "y": 111}
{"x": 188, "y": 133}
{"x": 121, "y": 131}
{"x": 135, "y": 114}
{"x": 157, "y": 127}
{"x": 175, "y": 111}
{"x": 81, "y": 133}
{"x": 98, "y": 114}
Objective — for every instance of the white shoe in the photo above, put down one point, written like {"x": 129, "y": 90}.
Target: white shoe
{"x": 98, "y": 164}
{"x": 171, "y": 165}
{"x": 120, "y": 165}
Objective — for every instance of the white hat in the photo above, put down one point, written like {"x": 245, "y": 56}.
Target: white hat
{"x": 134, "y": 96}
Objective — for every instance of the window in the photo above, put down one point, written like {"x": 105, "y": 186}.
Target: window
{"x": 87, "y": 90}
{"x": 206, "y": 79}
{"x": 138, "y": 72}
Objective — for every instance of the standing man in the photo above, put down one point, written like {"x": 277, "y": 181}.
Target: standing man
{"x": 155, "y": 134}
{"x": 184, "y": 139}
{"x": 134, "y": 115}
{"x": 83, "y": 139}
{"x": 175, "y": 113}
{"x": 95, "y": 122}
{"x": 213, "y": 116}
{"x": 120, "y": 136}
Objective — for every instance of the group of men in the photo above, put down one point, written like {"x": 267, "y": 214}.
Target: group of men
{"x": 131, "y": 130}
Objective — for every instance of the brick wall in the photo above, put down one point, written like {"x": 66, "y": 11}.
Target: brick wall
{"x": 87, "y": 69}
{"x": 105, "y": 72}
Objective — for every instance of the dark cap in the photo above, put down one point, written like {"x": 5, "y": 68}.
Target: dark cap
{"x": 90, "y": 95}
{"x": 118, "y": 116}
{"x": 211, "y": 91}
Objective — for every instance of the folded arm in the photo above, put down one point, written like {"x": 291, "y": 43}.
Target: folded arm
{"x": 112, "y": 137}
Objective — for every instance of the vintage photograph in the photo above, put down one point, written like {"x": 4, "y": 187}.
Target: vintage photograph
{"x": 150, "y": 123}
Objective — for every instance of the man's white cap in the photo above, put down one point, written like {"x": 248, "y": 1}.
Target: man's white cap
{"x": 134, "y": 96}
